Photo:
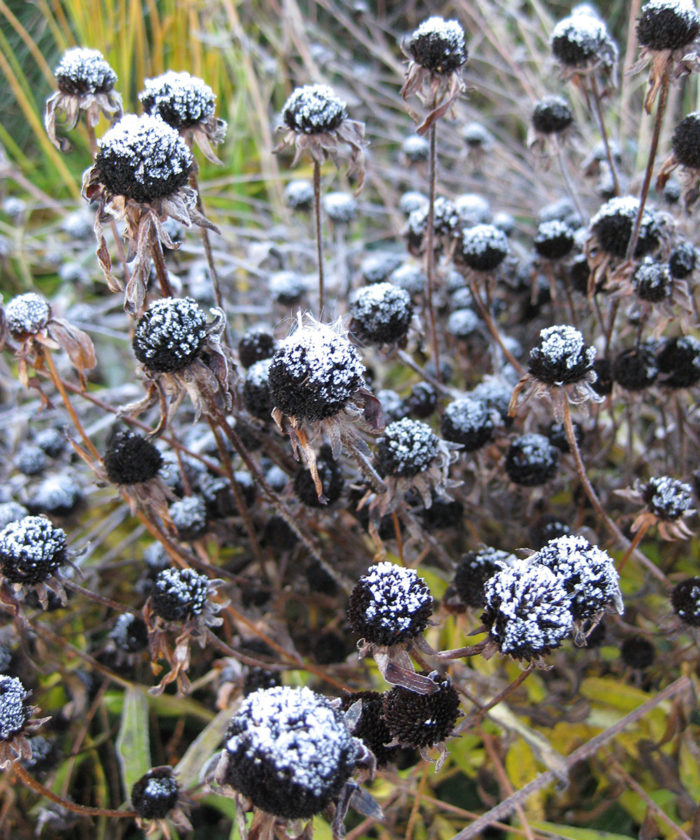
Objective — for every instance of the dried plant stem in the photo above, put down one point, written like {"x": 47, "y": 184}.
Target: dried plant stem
{"x": 458, "y": 653}
{"x": 319, "y": 236}
{"x": 570, "y": 186}
{"x": 653, "y": 146}
{"x": 430, "y": 249}
{"x": 506, "y": 692}
{"x": 159, "y": 265}
{"x": 86, "y": 811}
{"x": 206, "y": 242}
{"x": 597, "y": 102}
{"x": 492, "y": 328}
{"x": 505, "y": 809}
{"x": 638, "y": 537}
{"x": 365, "y": 466}
{"x": 504, "y": 781}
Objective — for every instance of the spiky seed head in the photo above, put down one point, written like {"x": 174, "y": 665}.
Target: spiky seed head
{"x": 170, "y": 334}
{"x": 668, "y": 498}
{"x": 381, "y": 313}
{"x": 406, "y": 448}
{"x": 27, "y": 314}
{"x": 130, "y": 458}
{"x": 667, "y": 24}
{"x": 438, "y": 45}
{"x": 314, "y": 109}
{"x": 531, "y": 460}
{"x": 155, "y": 794}
{"x": 422, "y": 720}
{"x": 178, "y": 98}
{"x": 561, "y": 356}
{"x": 82, "y": 71}
{"x": 31, "y": 550}
{"x": 482, "y": 247}
{"x": 179, "y": 594}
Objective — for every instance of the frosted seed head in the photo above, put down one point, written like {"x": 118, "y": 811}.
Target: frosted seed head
{"x": 438, "y": 45}
{"x": 477, "y": 136}
{"x": 170, "y": 334}
{"x": 129, "y": 633}
{"x": 332, "y": 482}
{"x": 82, "y": 70}
{"x": 531, "y": 460}
{"x": 637, "y": 652}
{"x": 463, "y": 323}
{"x": 422, "y": 401}
{"x": 30, "y": 459}
{"x": 474, "y": 569}
{"x": 256, "y": 344}
{"x": 179, "y": 594}
{"x": 256, "y": 390}
{"x": 635, "y": 369}
{"x": 552, "y": 115}
{"x": 27, "y": 314}
{"x": 406, "y": 448}
{"x": 142, "y": 158}
{"x": 314, "y": 109}
{"x": 412, "y": 200}
{"x": 389, "y": 604}
{"x": 682, "y": 260}
{"x": 685, "y": 600}
{"x": 422, "y": 720}
{"x": 378, "y": 267}
{"x": 11, "y": 512}
{"x": 58, "y": 494}
{"x": 178, "y": 98}
{"x": 587, "y": 572}
{"x": 679, "y": 361}
{"x": 554, "y": 239}
{"x": 472, "y": 209}
{"x": 467, "y": 421}
{"x": 685, "y": 142}
{"x": 613, "y": 224}
{"x": 579, "y": 40}
{"x": 495, "y": 394}
{"x": 155, "y": 794}
{"x": 189, "y": 515}
{"x": 561, "y": 356}
{"x": 381, "y": 313}
{"x": 527, "y": 610}
{"x": 130, "y": 458}
{"x": 483, "y": 247}
{"x": 14, "y": 707}
{"x": 315, "y": 372}
{"x": 288, "y": 287}
{"x": 668, "y": 498}
{"x": 299, "y": 195}
{"x": 415, "y": 148}
{"x": 667, "y": 24}
{"x": 289, "y": 751}
{"x": 652, "y": 281}
{"x": 31, "y": 550}
{"x": 340, "y": 207}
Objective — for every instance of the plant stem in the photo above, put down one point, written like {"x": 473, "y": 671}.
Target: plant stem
{"x": 573, "y": 192}
{"x": 159, "y": 265}
{"x": 319, "y": 239}
{"x": 603, "y": 133}
{"x": 638, "y": 537}
{"x": 430, "y": 250}
{"x": 488, "y": 320}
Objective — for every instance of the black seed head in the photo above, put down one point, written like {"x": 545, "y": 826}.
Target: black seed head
{"x": 557, "y": 435}
{"x": 44, "y": 755}
{"x": 467, "y": 421}
{"x": 14, "y": 707}
{"x": 604, "y": 382}
{"x": 83, "y": 71}
{"x": 155, "y": 794}
{"x": 682, "y": 260}
{"x": 668, "y": 498}
{"x": 652, "y": 281}
{"x": 438, "y": 45}
{"x": 10, "y": 512}
{"x": 554, "y": 240}
{"x": 313, "y": 109}
{"x": 287, "y": 288}
{"x": 371, "y": 727}
{"x": 314, "y": 373}
{"x": 27, "y": 314}
{"x": 256, "y": 390}
{"x": 422, "y": 401}
{"x": 340, "y": 207}
{"x": 580, "y": 40}
{"x": 381, "y": 313}
{"x": 637, "y": 652}
{"x": 389, "y": 604}
{"x": 377, "y": 268}
{"x": 332, "y": 481}
{"x": 415, "y": 148}
{"x": 30, "y": 459}
{"x": 406, "y": 448}
{"x": 130, "y": 458}
{"x": 179, "y": 594}
{"x": 445, "y": 222}
{"x": 442, "y": 514}
{"x": 679, "y": 361}
{"x": 299, "y": 195}
{"x": 170, "y": 334}
{"x": 289, "y": 751}
{"x": 547, "y": 528}
{"x": 482, "y": 247}
{"x": 531, "y": 460}
{"x": 189, "y": 516}
{"x": 31, "y": 550}
{"x": 474, "y": 569}
{"x": 178, "y": 98}
{"x": 422, "y": 720}
{"x": 635, "y": 369}
{"x": 685, "y": 600}
{"x": 613, "y": 225}
{"x": 51, "y": 440}
{"x": 129, "y": 633}
{"x": 667, "y": 24}
{"x": 143, "y": 158}
{"x": 256, "y": 344}
{"x": 561, "y": 356}
{"x": 552, "y": 115}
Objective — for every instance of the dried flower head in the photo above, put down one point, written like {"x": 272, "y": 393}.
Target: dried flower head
{"x": 635, "y": 369}
{"x": 467, "y": 421}
{"x": 528, "y": 610}
{"x": 131, "y": 459}
{"x": 445, "y": 221}
{"x": 316, "y": 121}
{"x": 581, "y": 45}
{"x": 437, "y": 52}
{"x": 187, "y": 104}
{"x": 679, "y": 362}
{"x": 667, "y": 502}
{"x": 381, "y": 314}
{"x": 554, "y": 239}
{"x": 685, "y": 600}
{"x": 531, "y": 460}
{"x": 370, "y": 727}
{"x": 550, "y": 123}
{"x": 685, "y": 153}
{"x": 85, "y": 83}
{"x": 474, "y": 569}
{"x": 481, "y": 248}
{"x": 155, "y": 797}
{"x": 16, "y": 721}
{"x": 422, "y": 720}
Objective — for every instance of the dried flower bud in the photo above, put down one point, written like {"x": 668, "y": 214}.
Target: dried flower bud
{"x": 31, "y": 550}
{"x": 82, "y": 70}
{"x": 422, "y": 720}
{"x": 178, "y": 98}
{"x": 130, "y": 459}
{"x": 438, "y": 45}
{"x": 170, "y": 334}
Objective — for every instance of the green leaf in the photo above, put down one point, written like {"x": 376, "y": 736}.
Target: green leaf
{"x": 568, "y": 832}
{"x": 133, "y": 745}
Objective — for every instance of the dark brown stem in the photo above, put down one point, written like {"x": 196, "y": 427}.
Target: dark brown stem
{"x": 638, "y": 537}
{"x": 319, "y": 239}
{"x": 660, "y": 108}
{"x": 492, "y": 328}
{"x": 604, "y": 134}
{"x": 458, "y": 653}
{"x": 430, "y": 250}
{"x": 573, "y": 192}
{"x": 159, "y": 265}
{"x": 206, "y": 242}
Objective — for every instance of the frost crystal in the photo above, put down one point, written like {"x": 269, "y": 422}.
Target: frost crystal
{"x": 27, "y": 314}
{"x": 83, "y": 70}
{"x": 381, "y": 313}
{"x": 13, "y": 707}
{"x": 587, "y": 572}
{"x": 389, "y": 604}
{"x": 289, "y": 751}
{"x": 314, "y": 109}
{"x": 31, "y": 550}
{"x": 667, "y": 497}
{"x": 170, "y": 334}
{"x": 178, "y": 98}
{"x": 527, "y": 610}
{"x": 143, "y": 158}
{"x": 406, "y": 448}
{"x": 315, "y": 372}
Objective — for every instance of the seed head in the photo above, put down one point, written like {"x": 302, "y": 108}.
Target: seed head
{"x": 142, "y": 158}
{"x": 685, "y": 600}
{"x": 83, "y": 71}
{"x": 315, "y": 372}
{"x": 467, "y": 421}
{"x": 256, "y": 344}
{"x": 445, "y": 221}
{"x": 438, "y": 45}
{"x": 613, "y": 224}
{"x": 668, "y": 498}
{"x": 130, "y": 458}
{"x": 415, "y": 148}
{"x": 528, "y": 610}
{"x": 256, "y": 390}
{"x": 178, "y": 98}
{"x": 189, "y": 515}
{"x": 474, "y": 569}
{"x": 11, "y": 512}
{"x": 531, "y": 460}
{"x": 422, "y": 401}
{"x": 652, "y": 281}
{"x": 371, "y": 728}
{"x": 686, "y": 141}
{"x": 170, "y": 334}
{"x": 552, "y": 115}
{"x": 406, "y": 448}
{"x": 155, "y": 794}
{"x": 422, "y": 720}
{"x": 27, "y": 314}
{"x": 31, "y": 550}
{"x": 14, "y": 707}
{"x": 682, "y": 260}
{"x": 313, "y": 109}
{"x": 381, "y": 313}
{"x": 482, "y": 247}
{"x": 299, "y": 195}
{"x": 554, "y": 239}
{"x": 129, "y": 633}
{"x": 389, "y": 604}
{"x": 340, "y": 207}
{"x": 332, "y": 481}
{"x": 580, "y": 40}
{"x": 635, "y": 369}
{"x": 667, "y": 24}
{"x": 289, "y": 751}
{"x": 679, "y": 361}
{"x": 561, "y": 356}
{"x": 637, "y": 652}
{"x": 179, "y": 594}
